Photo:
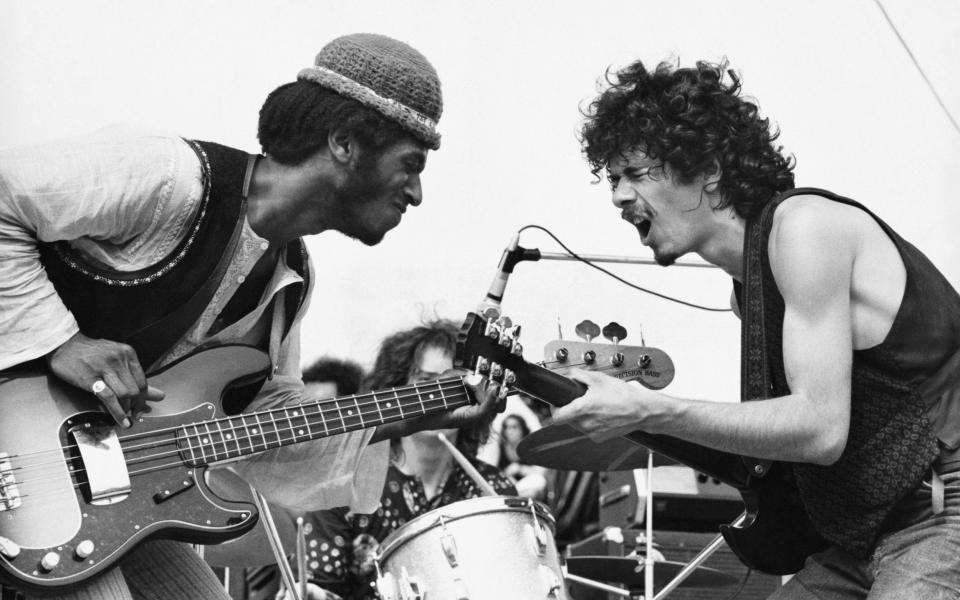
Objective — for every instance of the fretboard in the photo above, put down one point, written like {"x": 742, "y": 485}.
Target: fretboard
{"x": 227, "y": 438}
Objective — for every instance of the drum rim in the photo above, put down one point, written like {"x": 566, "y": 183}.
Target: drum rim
{"x": 412, "y": 528}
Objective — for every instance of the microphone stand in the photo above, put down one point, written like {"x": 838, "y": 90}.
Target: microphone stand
{"x": 609, "y": 258}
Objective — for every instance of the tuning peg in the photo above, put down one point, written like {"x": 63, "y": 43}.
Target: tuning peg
{"x": 615, "y": 332}
{"x": 587, "y": 330}
{"x": 504, "y": 322}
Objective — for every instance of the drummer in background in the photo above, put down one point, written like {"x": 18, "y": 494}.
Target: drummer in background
{"x": 341, "y": 545}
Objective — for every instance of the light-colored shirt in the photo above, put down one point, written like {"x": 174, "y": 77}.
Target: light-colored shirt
{"x": 126, "y": 197}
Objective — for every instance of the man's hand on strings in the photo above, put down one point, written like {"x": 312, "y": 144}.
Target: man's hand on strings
{"x": 109, "y": 370}
{"x": 490, "y": 399}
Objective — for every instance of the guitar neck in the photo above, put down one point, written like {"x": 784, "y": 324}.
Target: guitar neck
{"x": 229, "y": 438}
{"x": 557, "y": 390}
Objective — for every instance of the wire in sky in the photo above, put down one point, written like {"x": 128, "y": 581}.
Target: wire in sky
{"x": 913, "y": 58}
{"x": 617, "y": 277}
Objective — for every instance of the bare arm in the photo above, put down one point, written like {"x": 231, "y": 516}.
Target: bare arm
{"x": 812, "y": 253}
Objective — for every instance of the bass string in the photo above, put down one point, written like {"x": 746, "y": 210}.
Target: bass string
{"x": 398, "y": 393}
{"x": 438, "y": 404}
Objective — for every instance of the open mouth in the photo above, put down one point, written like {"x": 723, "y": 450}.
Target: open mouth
{"x": 643, "y": 226}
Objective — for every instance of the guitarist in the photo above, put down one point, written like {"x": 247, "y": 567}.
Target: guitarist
{"x": 128, "y": 249}
{"x": 867, "y": 425}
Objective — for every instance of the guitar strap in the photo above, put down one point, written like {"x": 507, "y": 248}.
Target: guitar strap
{"x": 755, "y": 379}
{"x": 157, "y": 337}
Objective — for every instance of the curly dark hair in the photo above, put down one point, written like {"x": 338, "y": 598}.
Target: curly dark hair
{"x": 346, "y": 374}
{"x": 296, "y": 118}
{"x": 399, "y": 357}
{"x": 690, "y": 120}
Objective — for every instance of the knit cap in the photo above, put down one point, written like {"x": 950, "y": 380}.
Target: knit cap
{"x": 386, "y": 75}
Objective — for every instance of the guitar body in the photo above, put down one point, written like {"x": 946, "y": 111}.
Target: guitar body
{"x": 47, "y": 504}
{"x": 775, "y": 537}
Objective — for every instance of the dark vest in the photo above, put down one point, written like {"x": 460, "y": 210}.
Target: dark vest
{"x": 152, "y": 308}
{"x": 898, "y": 388}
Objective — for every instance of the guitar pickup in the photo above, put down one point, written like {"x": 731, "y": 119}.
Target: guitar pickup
{"x": 103, "y": 462}
{"x": 170, "y": 492}
{"x": 9, "y": 493}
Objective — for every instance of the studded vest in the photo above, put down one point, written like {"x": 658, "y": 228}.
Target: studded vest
{"x": 905, "y": 396}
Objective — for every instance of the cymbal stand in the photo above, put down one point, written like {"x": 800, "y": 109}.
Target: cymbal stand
{"x": 273, "y": 536}
{"x": 697, "y": 560}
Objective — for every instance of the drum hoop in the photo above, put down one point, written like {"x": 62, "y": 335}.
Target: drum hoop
{"x": 412, "y": 528}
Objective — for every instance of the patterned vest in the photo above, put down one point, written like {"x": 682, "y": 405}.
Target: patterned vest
{"x": 152, "y": 308}
{"x": 898, "y": 388}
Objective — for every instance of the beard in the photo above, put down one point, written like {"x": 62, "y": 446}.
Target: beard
{"x": 357, "y": 200}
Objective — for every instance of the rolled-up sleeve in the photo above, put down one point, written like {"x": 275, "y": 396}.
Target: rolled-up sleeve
{"x": 117, "y": 194}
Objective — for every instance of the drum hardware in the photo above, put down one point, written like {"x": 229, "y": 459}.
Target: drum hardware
{"x": 447, "y": 554}
{"x": 276, "y": 545}
{"x": 631, "y": 572}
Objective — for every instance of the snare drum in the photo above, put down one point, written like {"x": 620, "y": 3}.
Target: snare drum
{"x": 487, "y": 548}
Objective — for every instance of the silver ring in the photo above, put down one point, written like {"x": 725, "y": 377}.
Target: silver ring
{"x": 98, "y": 386}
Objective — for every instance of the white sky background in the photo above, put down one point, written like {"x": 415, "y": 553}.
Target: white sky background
{"x": 852, "y": 107}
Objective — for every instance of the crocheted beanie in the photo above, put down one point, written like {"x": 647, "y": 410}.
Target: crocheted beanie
{"x": 386, "y": 75}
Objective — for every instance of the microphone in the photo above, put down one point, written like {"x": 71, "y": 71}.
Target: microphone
{"x": 512, "y": 254}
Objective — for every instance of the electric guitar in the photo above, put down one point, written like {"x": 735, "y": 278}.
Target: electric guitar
{"x": 774, "y": 537}
{"x": 77, "y": 492}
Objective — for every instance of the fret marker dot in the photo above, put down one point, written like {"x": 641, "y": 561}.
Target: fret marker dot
{"x": 387, "y": 405}
{"x": 430, "y": 397}
{"x": 254, "y": 431}
{"x": 229, "y": 436}
{"x": 350, "y": 413}
{"x": 299, "y": 432}
{"x": 205, "y": 440}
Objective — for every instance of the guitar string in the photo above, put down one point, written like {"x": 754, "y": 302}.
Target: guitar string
{"x": 441, "y": 387}
{"x": 277, "y": 431}
{"x": 441, "y": 403}
{"x": 337, "y": 401}
{"x": 322, "y": 413}
{"x": 318, "y": 404}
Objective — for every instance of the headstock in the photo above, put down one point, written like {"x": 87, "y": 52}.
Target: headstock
{"x": 492, "y": 348}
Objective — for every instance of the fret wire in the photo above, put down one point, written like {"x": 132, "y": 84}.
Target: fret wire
{"x": 226, "y": 453}
{"x": 236, "y": 439}
{"x": 376, "y": 403}
{"x": 250, "y": 432}
{"x": 417, "y": 399}
{"x": 203, "y": 454}
{"x": 276, "y": 432}
{"x": 359, "y": 412}
{"x": 399, "y": 402}
{"x": 260, "y": 428}
{"x": 193, "y": 455}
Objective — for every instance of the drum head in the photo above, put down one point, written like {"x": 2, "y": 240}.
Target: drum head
{"x": 460, "y": 510}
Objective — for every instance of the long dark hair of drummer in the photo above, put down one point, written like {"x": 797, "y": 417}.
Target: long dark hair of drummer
{"x": 398, "y": 363}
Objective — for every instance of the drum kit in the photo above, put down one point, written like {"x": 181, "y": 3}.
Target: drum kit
{"x": 497, "y": 547}
{"x": 500, "y": 547}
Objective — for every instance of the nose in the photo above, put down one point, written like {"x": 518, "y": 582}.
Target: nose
{"x": 412, "y": 191}
{"x": 622, "y": 195}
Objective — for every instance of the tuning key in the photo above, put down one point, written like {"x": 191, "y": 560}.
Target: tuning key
{"x": 587, "y": 330}
{"x": 615, "y": 332}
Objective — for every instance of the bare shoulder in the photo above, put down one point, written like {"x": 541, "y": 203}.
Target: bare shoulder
{"x": 814, "y": 243}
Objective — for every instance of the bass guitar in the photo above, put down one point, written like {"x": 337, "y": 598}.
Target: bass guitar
{"x": 774, "y": 537}
{"x": 77, "y": 492}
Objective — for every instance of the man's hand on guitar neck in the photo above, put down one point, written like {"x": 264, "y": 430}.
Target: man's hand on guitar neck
{"x": 110, "y": 370}
{"x": 491, "y": 399}
{"x": 610, "y": 407}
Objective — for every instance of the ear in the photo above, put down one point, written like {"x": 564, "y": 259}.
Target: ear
{"x": 343, "y": 146}
{"x": 711, "y": 177}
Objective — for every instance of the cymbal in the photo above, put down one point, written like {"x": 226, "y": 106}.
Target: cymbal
{"x": 568, "y": 449}
{"x": 629, "y": 571}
